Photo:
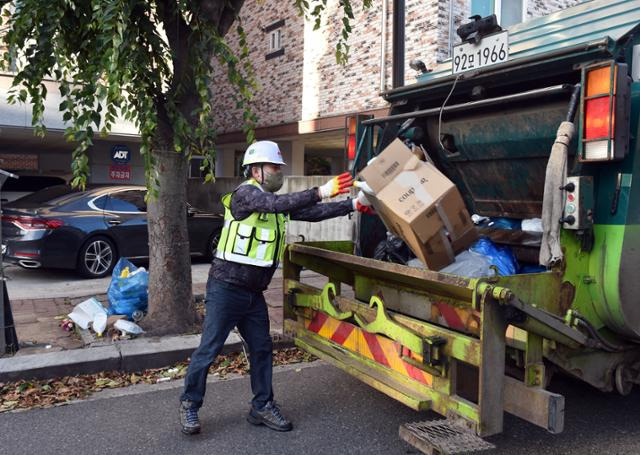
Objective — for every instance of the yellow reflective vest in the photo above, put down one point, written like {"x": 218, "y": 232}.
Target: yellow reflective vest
{"x": 256, "y": 240}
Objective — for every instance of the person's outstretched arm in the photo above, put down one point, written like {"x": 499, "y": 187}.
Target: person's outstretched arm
{"x": 319, "y": 212}
{"x": 248, "y": 199}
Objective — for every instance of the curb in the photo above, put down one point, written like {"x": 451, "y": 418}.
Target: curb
{"x": 130, "y": 356}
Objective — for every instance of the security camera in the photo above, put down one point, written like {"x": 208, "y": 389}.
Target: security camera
{"x": 479, "y": 27}
{"x": 418, "y": 65}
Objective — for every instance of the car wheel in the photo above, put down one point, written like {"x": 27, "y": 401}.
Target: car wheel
{"x": 212, "y": 245}
{"x": 97, "y": 257}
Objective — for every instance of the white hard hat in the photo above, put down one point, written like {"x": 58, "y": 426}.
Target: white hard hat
{"x": 262, "y": 152}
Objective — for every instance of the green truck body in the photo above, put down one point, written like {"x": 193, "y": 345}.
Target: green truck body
{"x": 472, "y": 348}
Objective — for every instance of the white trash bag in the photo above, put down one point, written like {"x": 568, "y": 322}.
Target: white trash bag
{"x": 85, "y": 313}
{"x": 470, "y": 264}
{"x": 128, "y": 327}
{"x": 99, "y": 324}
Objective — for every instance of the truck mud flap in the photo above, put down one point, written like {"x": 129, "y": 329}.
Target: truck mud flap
{"x": 431, "y": 341}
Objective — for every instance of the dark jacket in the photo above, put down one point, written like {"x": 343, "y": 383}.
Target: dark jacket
{"x": 301, "y": 206}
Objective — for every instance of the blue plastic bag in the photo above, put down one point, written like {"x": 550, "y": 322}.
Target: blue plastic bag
{"x": 512, "y": 224}
{"x": 130, "y": 294}
{"x": 500, "y": 256}
{"x": 532, "y": 269}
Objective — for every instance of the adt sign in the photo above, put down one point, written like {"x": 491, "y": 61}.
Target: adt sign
{"x": 120, "y": 154}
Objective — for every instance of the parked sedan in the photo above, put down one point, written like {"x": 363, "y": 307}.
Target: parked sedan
{"x": 59, "y": 227}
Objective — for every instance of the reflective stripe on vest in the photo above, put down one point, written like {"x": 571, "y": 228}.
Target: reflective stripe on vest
{"x": 256, "y": 240}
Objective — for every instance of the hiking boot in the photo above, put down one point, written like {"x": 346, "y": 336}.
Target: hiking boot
{"x": 189, "y": 418}
{"x": 269, "y": 416}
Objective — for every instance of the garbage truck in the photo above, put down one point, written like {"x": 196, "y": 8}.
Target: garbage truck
{"x": 491, "y": 119}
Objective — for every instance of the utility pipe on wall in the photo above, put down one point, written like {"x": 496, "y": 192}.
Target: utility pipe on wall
{"x": 451, "y": 25}
{"x": 383, "y": 48}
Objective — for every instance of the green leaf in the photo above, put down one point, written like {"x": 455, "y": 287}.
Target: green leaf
{"x": 24, "y": 386}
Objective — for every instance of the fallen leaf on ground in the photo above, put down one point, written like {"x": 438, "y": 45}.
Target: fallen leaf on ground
{"x": 50, "y": 392}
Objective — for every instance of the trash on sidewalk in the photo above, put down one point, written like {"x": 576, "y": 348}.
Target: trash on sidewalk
{"x": 67, "y": 324}
{"x": 85, "y": 312}
{"x": 99, "y": 323}
{"x": 128, "y": 290}
{"x": 419, "y": 204}
{"x": 128, "y": 327}
{"x": 111, "y": 320}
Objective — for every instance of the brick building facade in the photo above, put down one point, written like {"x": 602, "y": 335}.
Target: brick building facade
{"x": 304, "y": 95}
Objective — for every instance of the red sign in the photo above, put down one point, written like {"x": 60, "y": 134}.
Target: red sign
{"x": 120, "y": 172}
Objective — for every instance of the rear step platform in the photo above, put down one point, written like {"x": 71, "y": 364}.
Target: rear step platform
{"x": 442, "y": 437}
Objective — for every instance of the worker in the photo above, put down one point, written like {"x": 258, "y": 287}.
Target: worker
{"x": 251, "y": 244}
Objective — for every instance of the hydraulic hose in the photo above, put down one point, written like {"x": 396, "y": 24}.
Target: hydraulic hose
{"x": 604, "y": 344}
{"x": 573, "y": 103}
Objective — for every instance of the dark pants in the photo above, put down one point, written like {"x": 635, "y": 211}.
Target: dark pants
{"x": 229, "y": 306}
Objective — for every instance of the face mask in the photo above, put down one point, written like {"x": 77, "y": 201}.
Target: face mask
{"x": 272, "y": 182}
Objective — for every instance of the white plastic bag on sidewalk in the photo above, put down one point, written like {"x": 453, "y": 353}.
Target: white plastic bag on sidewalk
{"x": 99, "y": 324}
{"x": 85, "y": 312}
{"x": 128, "y": 327}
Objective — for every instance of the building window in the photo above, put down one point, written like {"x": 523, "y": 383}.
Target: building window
{"x": 238, "y": 158}
{"x": 508, "y": 12}
{"x": 194, "y": 167}
{"x": 275, "y": 40}
{"x": 274, "y": 37}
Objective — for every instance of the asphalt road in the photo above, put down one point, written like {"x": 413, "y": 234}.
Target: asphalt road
{"x": 332, "y": 413}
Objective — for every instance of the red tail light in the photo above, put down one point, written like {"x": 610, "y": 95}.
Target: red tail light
{"x": 351, "y": 142}
{"x": 604, "y": 120}
{"x": 29, "y": 223}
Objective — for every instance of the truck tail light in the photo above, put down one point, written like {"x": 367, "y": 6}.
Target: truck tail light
{"x": 604, "y": 118}
{"x": 354, "y": 131}
{"x": 28, "y": 223}
{"x": 351, "y": 139}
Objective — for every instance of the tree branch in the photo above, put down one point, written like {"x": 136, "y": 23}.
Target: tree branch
{"x": 221, "y": 13}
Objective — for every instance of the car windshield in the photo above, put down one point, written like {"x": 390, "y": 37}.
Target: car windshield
{"x": 49, "y": 196}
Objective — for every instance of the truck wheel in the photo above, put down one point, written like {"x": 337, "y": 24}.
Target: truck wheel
{"x": 622, "y": 378}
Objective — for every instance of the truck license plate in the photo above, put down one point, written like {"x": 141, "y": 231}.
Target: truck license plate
{"x": 492, "y": 49}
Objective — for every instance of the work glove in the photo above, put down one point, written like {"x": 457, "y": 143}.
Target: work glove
{"x": 363, "y": 186}
{"x": 337, "y": 185}
{"x": 362, "y": 204}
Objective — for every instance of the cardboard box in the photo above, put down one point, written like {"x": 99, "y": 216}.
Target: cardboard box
{"x": 420, "y": 204}
{"x": 381, "y": 171}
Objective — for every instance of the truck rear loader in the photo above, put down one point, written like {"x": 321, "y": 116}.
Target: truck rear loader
{"x": 472, "y": 348}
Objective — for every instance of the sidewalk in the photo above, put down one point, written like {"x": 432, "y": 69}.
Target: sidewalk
{"x": 38, "y": 320}
{"x": 47, "y": 351}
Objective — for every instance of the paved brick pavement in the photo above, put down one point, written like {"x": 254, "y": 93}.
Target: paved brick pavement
{"x": 38, "y": 320}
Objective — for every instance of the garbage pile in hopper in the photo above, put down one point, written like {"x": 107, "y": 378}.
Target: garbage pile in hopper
{"x": 428, "y": 225}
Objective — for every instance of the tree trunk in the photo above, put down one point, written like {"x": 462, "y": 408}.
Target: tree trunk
{"x": 171, "y": 307}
